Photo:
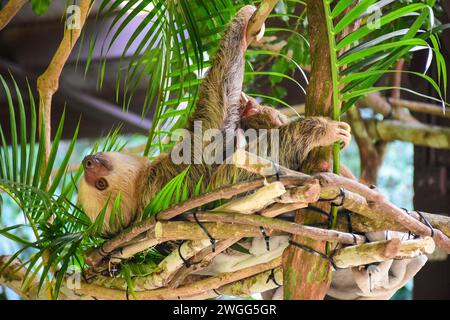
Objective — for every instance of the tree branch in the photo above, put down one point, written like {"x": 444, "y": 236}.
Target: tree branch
{"x": 259, "y": 17}
{"x": 379, "y": 104}
{"x": 422, "y": 107}
{"x": 379, "y": 251}
{"x": 195, "y": 288}
{"x": 48, "y": 82}
{"x": 9, "y": 11}
{"x": 417, "y": 133}
{"x": 94, "y": 257}
{"x": 282, "y": 225}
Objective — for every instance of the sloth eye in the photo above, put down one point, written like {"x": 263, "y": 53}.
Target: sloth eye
{"x": 101, "y": 184}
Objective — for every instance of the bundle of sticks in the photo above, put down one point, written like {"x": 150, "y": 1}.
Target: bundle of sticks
{"x": 202, "y": 266}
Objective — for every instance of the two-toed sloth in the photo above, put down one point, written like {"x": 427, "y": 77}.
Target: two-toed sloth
{"x": 221, "y": 105}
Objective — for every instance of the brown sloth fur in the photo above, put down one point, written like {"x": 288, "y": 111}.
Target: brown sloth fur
{"x": 221, "y": 105}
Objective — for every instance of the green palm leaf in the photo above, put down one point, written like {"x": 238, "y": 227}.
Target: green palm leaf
{"x": 359, "y": 59}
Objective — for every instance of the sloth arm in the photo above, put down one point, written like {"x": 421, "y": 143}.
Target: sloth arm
{"x": 296, "y": 140}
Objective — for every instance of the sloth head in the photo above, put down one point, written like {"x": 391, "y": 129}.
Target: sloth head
{"x": 106, "y": 176}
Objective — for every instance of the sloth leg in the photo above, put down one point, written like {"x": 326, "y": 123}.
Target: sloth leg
{"x": 219, "y": 99}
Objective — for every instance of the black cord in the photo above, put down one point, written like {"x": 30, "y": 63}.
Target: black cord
{"x": 266, "y": 237}
{"x": 340, "y": 195}
{"x": 186, "y": 263}
{"x": 216, "y": 292}
{"x": 349, "y": 222}
{"x": 410, "y": 234}
{"x": 277, "y": 170}
{"x": 127, "y": 295}
{"x": 350, "y": 226}
{"x": 272, "y": 277}
{"x": 425, "y": 220}
{"x": 312, "y": 251}
{"x": 211, "y": 239}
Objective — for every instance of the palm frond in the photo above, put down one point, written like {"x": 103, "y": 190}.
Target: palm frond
{"x": 365, "y": 52}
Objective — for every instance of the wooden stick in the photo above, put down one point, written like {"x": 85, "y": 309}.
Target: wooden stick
{"x": 183, "y": 230}
{"x": 48, "y": 82}
{"x": 422, "y": 107}
{"x": 280, "y": 208}
{"x": 192, "y": 289}
{"x": 307, "y": 193}
{"x": 201, "y": 260}
{"x": 256, "y": 22}
{"x": 388, "y": 211}
{"x": 417, "y": 133}
{"x": 255, "y": 284}
{"x": 163, "y": 272}
{"x": 94, "y": 257}
{"x": 382, "y": 251}
{"x": 257, "y": 201}
{"x": 281, "y": 225}
{"x": 9, "y": 11}
{"x": 380, "y": 104}
{"x": 332, "y": 184}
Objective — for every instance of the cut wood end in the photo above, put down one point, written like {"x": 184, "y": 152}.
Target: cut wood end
{"x": 428, "y": 245}
{"x": 158, "y": 230}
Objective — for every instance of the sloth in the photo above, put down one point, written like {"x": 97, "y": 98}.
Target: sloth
{"x": 221, "y": 105}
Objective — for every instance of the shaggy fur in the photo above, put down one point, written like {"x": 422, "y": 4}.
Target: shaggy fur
{"x": 219, "y": 106}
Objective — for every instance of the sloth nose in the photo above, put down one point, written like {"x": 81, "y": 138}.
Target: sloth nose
{"x": 89, "y": 162}
{"x": 98, "y": 162}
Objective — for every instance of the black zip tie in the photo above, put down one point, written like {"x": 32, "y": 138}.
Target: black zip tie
{"x": 186, "y": 262}
{"x": 272, "y": 277}
{"x": 211, "y": 239}
{"x": 266, "y": 237}
{"x": 341, "y": 195}
{"x": 425, "y": 220}
{"x": 349, "y": 226}
{"x": 217, "y": 292}
{"x": 349, "y": 222}
{"x": 410, "y": 234}
{"x": 277, "y": 170}
{"x": 312, "y": 251}
{"x": 330, "y": 219}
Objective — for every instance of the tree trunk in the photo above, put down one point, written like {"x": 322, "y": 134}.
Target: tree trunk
{"x": 306, "y": 275}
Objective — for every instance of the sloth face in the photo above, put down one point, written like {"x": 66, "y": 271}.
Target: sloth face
{"x": 106, "y": 176}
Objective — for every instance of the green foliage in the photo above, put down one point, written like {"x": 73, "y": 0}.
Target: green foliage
{"x": 359, "y": 59}
{"x": 362, "y": 57}
{"x": 40, "y": 6}
{"x": 174, "y": 42}
{"x": 45, "y": 194}
{"x": 173, "y": 193}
